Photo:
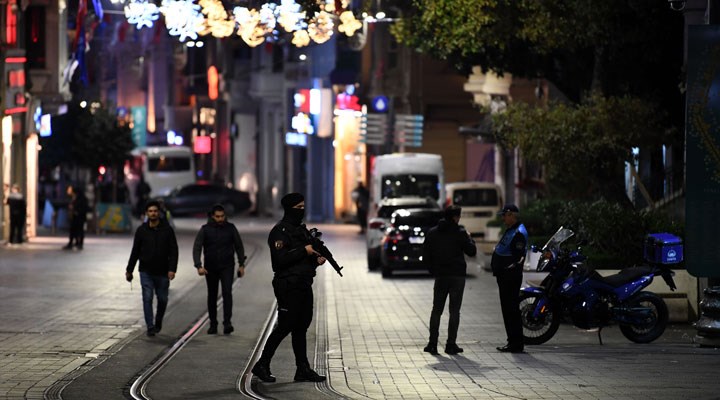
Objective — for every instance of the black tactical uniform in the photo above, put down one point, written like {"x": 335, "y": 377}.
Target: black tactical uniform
{"x": 294, "y": 272}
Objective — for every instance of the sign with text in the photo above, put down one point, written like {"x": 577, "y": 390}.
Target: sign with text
{"x": 139, "y": 128}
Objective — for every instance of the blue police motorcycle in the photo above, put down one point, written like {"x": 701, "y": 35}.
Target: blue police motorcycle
{"x": 575, "y": 293}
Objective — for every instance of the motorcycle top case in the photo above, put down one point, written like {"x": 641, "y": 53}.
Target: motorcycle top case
{"x": 663, "y": 248}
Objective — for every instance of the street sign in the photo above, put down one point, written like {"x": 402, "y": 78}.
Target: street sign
{"x": 408, "y": 130}
{"x": 373, "y": 128}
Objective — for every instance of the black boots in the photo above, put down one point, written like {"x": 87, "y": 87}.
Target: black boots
{"x": 431, "y": 348}
{"x": 306, "y": 374}
{"x": 212, "y": 329}
{"x": 453, "y": 349}
{"x": 511, "y": 349}
{"x": 303, "y": 374}
{"x": 262, "y": 371}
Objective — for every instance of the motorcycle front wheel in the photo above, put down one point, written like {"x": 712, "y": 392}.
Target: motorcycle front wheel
{"x": 649, "y": 325}
{"x": 540, "y": 329}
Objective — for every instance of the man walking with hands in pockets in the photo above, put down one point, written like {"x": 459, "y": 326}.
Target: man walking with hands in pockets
{"x": 219, "y": 240}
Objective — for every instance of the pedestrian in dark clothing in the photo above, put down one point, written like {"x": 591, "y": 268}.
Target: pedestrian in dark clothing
{"x": 294, "y": 262}
{"x": 362, "y": 200}
{"x": 156, "y": 247}
{"x": 507, "y": 265}
{"x": 219, "y": 240}
{"x": 444, "y": 253}
{"x": 142, "y": 194}
{"x": 77, "y": 213}
{"x": 18, "y": 212}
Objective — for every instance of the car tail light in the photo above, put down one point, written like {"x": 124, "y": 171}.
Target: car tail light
{"x": 395, "y": 236}
{"x": 376, "y": 225}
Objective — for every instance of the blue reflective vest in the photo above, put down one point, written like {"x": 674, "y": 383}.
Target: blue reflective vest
{"x": 503, "y": 247}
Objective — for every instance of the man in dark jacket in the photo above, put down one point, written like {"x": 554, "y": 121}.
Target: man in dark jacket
{"x": 219, "y": 240}
{"x": 507, "y": 264}
{"x": 444, "y": 254}
{"x": 294, "y": 262}
{"x": 77, "y": 212}
{"x": 18, "y": 212}
{"x": 156, "y": 247}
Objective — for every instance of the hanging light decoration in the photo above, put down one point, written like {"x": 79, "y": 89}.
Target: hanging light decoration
{"x": 141, "y": 13}
{"x": 301, "y": 38}
{"x": 320, "y": 29}
{"x": 217, "y": 22}
{"x": 249, "y": 26}
{"x": 348, "y": 23}
{"x": 189, "y": 19}
{"x": 182, "y": 18}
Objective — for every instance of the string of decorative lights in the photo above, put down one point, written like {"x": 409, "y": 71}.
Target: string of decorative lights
{"x": 190, "y": 19}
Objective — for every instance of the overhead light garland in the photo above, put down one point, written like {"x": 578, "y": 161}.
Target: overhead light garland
{"x": 189, "y": 19}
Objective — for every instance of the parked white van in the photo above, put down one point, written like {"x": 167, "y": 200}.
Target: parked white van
{"x": 164, "y": 169}
{"x": 407, "y": 175}
{"x": 480, "y": 201}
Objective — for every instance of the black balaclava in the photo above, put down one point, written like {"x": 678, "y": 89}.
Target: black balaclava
{"x": 293, "y": 215}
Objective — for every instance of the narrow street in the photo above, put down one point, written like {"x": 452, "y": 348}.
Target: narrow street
{"x": 72, "y": 329}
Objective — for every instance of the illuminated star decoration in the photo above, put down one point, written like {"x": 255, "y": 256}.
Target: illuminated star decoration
{"x": 189, "y": 19}
{"x": 348, "y": 23}
{"x": 218, "y": 22}
{"x": 141, "y": 13}
{"x": 182, "y": 18}
{"x": 249, "y": 23}
{"x": 320, "y": 28}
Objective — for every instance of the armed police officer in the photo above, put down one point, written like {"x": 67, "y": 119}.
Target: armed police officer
{"x": 507, "y": 264}
{"x": 294, "y": 262}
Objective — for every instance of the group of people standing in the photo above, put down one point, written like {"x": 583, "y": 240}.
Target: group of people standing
{"x": 77, "y": 209}
{"x": 294, "y": 263}
{"x": 444, "y": 253}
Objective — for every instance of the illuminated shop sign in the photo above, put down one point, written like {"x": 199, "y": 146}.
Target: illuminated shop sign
{"x": 295, "y": 139}
{"x": 345, "y": 101}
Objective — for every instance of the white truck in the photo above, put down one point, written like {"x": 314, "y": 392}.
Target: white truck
{"x": 407, "y": 174}
{"x": 401, "y": 180}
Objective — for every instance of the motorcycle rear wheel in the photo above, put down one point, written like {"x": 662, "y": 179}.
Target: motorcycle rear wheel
{"x": 537, "y": 330}
{"x": 650, "y": 328}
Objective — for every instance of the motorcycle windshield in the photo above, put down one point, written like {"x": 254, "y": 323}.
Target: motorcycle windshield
{"x": 560, "y": 236}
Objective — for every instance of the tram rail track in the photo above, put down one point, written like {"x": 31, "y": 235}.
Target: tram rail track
{"x": 245, "y": 384}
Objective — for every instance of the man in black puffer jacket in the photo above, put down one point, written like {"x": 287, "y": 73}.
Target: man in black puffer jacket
{"x": 219, "y": 240}
{"x": 156, "y": 247}
{"x": 444, "y": 254}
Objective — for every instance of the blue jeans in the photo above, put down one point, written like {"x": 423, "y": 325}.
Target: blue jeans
{"x": 158, "y": 285}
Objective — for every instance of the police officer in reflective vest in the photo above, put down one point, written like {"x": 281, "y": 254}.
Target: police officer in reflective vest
{"x": 294, "y": 262}
{"x": 507, "y": 265}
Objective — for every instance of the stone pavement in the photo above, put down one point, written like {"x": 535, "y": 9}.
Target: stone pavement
{"x": 65, "y": 309}
{"x": 378, "y": 327}
{"x": 62, "y": 310}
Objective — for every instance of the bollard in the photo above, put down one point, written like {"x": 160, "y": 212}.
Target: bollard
{"x": 708, "y": 326}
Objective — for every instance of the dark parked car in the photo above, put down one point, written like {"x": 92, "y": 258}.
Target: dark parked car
{"x": 198, "y": 198}
{"x": 402, "y": 243}
{"x": 377, "y": 224}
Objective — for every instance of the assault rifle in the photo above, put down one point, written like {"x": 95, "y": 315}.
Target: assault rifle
{"x": 313, "y": 236}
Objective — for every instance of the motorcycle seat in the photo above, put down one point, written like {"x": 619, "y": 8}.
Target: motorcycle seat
{"x": 625, "y": 275}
